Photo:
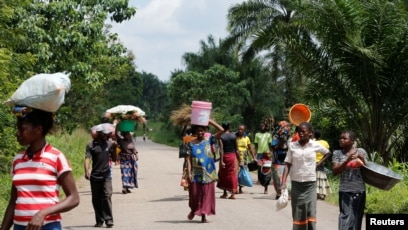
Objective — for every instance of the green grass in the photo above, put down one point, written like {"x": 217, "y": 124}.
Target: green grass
{"x": 73, "y": 146}
{"x": 378, "y": 201}
{"x": 163, "y": 133}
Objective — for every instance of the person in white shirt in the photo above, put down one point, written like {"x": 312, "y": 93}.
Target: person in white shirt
{"x": 300, "y": 163}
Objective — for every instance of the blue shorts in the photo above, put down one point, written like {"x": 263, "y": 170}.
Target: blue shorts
{"x": 50, "y": 226}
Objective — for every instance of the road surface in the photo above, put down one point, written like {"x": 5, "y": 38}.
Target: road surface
{"x": 161, "y": 203}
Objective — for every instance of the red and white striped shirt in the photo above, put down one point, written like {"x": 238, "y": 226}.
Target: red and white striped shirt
{"x": 36, "y": 181}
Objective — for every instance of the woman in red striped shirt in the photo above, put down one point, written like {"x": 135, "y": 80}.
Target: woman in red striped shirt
{"x": 37, "y": 174}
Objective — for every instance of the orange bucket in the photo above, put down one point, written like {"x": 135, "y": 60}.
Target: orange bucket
{"x": 299, "y": 113}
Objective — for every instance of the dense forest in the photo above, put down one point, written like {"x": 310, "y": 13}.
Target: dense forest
{"x": 346, "y": 59}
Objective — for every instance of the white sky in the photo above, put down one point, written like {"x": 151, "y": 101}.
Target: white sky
{"x": 163, "y": 30}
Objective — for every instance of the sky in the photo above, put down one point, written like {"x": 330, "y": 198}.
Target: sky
{"x": 161, "y": 31}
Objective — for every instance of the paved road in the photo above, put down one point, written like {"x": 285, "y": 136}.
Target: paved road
{"x": 160, "y": 203}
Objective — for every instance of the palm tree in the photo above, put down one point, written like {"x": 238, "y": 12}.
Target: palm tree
{"x": 350, "y": 53}
{"x": 266, "y": 25}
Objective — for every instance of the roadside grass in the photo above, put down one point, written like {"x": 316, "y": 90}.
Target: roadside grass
{"x": 163, "y": 133}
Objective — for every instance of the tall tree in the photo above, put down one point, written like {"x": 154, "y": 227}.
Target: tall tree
{"x": 259, "y": 26}
{"x": 14, "y": 67}
{"x": 154, "y": 98}
{"x": 359, "y": 60}
{"x": 72, "y": 36}
{"x": 351, "y": 54}
{"x": 257, "y": 95}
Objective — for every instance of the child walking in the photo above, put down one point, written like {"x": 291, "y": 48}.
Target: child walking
{"x": 265, "y": 173}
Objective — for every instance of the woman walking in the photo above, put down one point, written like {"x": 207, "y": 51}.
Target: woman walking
{"x": 246, "y": 152}
{"x": 228, "y": 169}
{"x": 352, "y": 194}
{"x": 128, "y": 161}
{"x": 202, "y": 173}
{"x": 300, "y": 162}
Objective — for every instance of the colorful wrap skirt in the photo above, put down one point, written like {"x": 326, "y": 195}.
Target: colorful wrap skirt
{"x": 128, "y": 169}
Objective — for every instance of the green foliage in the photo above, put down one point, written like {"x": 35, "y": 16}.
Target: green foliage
{"x": 163, "y": 133}
{"x": 72, "y": 36}
{"x": 351, "y": 55}
{"x": 395, "y": 200}
{"x": 242, "y": 93}
{"x": 153, "y": 100}
{"x": 380, "y": 201}
{"x": 5, "y": 181}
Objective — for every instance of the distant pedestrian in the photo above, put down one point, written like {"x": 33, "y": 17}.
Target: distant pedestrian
{"x": 352, "y": 192}
{"x": 229, "y": 160}
{"x": 246, "y": 152}
{"x": 323, "y": 186}
{"x": 300, "y": 162}
{"x": 128, "y": 158}
{"x": 100, "y": 151}
{"x": 144, "y": 136}
{"x": 265, "y": 173}
{"x": 262, "y": 142}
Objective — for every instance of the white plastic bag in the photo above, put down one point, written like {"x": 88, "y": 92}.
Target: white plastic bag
{"x": 42, "y": 91}
{"x": 283, "y": 200}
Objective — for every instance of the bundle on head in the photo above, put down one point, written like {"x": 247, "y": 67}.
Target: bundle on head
{"x": 181, "y": 116}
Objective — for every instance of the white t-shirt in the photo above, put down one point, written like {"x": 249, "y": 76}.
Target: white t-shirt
{"x": 303, "y": 160}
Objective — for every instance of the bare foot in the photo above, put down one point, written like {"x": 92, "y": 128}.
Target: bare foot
{"x": 224, "y": 196}
{"x": 190, "y": 216}
{"x": 232, "y": 197}
{"x": 204, "y": 219}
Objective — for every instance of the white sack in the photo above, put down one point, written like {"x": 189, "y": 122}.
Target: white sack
{"x": 42, "y": 91}
{"x": 125, "y": 109}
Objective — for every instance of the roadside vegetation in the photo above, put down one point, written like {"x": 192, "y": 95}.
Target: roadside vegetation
{"x": 345, "y": 59}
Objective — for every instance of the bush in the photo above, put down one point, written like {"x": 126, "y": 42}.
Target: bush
{"x": 380, "y": 201}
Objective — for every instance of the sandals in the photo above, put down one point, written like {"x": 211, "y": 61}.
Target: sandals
{"x": 224, "y": 196}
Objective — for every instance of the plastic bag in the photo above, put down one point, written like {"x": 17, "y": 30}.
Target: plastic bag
{"x": 283, "y": 200}
{"x": 244, "y": 179}
{"x": 42, "y": 91}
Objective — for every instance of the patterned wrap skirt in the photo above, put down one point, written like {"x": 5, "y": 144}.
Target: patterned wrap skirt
{"x": 128, "y": 169}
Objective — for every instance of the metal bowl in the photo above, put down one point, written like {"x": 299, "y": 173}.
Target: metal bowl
{"x": 379, "y": 176}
